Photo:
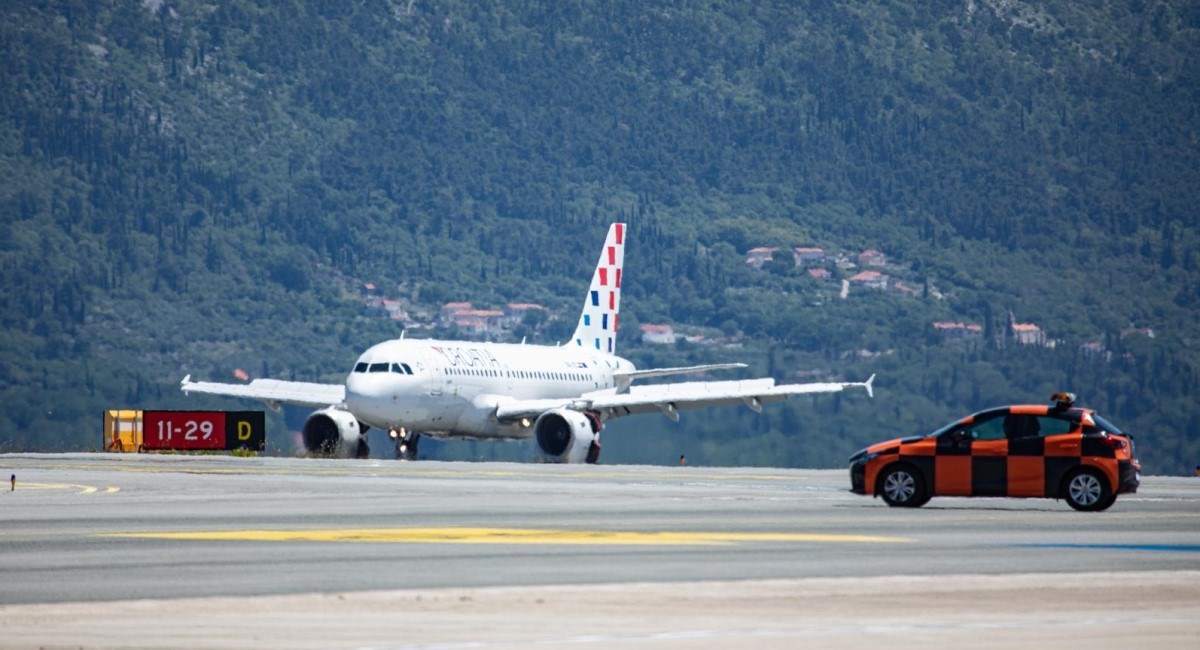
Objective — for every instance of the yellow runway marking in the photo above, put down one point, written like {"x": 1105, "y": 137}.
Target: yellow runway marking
{"x": 507, "y": 536}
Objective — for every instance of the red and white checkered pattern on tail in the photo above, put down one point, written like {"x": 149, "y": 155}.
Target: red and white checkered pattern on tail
{"x": 597, "y": 328}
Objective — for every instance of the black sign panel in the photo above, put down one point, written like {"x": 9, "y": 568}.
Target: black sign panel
{"x": 245, "y": 430}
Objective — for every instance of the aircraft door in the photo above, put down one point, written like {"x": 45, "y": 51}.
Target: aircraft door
{"x": 436, "y": 374}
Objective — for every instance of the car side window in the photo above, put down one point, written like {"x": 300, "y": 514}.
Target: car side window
{"x": 1021, "y": 426}
{"x": 1052, "y": 426}
{"x": 989, "y": 429}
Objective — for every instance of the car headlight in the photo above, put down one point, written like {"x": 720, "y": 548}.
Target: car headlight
{"x": 863, "y": 457}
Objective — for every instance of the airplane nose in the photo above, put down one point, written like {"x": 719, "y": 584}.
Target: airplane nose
{"x": 366, "y": 396}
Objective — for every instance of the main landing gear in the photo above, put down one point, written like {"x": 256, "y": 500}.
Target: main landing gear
{"x": 593, "y": 455}
{"x": 406, "y": 443}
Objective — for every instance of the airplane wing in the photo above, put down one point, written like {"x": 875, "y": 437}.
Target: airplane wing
{"x": 669, "y": 399}
{"x": 272, "y": 392}
{"x": 624, "y": 379}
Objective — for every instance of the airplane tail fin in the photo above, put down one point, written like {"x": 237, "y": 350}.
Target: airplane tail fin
{"x": 597, "y": 327}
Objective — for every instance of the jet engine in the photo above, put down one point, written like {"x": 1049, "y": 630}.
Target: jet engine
{"x": 336, "y": 433}
{"x": 566, "y": 436}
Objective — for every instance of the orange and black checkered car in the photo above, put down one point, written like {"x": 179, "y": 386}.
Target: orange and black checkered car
{"x": 1014, "y": 451}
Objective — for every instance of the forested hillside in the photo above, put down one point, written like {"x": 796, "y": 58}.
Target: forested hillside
{"x": 196, "y": 187}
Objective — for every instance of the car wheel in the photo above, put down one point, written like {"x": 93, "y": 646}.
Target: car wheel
{"x": 901, "y": 486}
{"x": 1086, "y": 490}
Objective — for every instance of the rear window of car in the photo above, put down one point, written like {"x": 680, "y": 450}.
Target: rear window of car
{"x": 1105, "y": 425}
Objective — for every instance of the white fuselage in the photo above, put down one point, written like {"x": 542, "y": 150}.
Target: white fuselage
{"x": 452, "y": 388}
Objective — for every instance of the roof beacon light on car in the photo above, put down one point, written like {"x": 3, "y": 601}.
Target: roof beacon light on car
{"x": 1062, "y": 400}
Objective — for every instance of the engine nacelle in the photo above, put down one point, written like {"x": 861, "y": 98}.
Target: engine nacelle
{"x": 336, "y": 433}
{"x": 566, "y": 436}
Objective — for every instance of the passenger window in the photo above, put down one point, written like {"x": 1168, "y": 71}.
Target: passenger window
{"x": 1021, "y": 426}
{"x": 991, "y": 429}
{"x": 1054, "y": 426}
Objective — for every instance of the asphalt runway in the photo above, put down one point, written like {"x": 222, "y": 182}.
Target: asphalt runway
{"x": 100, "y": 550}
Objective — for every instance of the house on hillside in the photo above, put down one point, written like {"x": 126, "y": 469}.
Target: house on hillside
{"x": 1095, "y": 350}
{"x": 870, "y": 280}
{"x": 1028, "y": 334}
{"x": 954, "y": 331}
{"x": 478, "y": 321}
{"x": 447, "y": 311}
{"x": 820, "y": 274}
{"x": 660, "y": 333}
{"x": 871, "y": 257}
{"x": 756, "y": 257}
{"x": 394, "y": 310}
{"x": 1137, "y": 331}
{"x": 808, "y": 256}
{"x": 515, "y": 312}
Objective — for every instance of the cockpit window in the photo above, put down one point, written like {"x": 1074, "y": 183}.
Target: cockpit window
{"x": 378, "y": 367}
{"x": 402, "y": 368}
{"x": 407, "y": 369}
{"x": 360, "y": 367}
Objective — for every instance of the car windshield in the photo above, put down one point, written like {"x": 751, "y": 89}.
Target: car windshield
{"x": 943, "y": 429}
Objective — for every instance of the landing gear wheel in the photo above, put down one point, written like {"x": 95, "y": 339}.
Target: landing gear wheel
{"x": 1087, "y": 491}
{"x": 902, "y": 487}
{"x": 406, "y": 445}
{"x": 364, "y": 450}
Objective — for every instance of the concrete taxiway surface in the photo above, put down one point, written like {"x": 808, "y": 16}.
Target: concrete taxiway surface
{"x": 173, "y": 551}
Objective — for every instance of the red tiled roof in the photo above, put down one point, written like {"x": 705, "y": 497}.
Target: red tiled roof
{"x": 866, "y": 276}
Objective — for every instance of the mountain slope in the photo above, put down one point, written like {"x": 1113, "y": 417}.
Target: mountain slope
{"x": 194, "y": 187}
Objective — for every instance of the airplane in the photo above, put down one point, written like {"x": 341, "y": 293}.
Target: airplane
{"x": 561, "y": 395}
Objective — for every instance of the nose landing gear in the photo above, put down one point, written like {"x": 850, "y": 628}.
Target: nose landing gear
{"x": 406, "y": 443}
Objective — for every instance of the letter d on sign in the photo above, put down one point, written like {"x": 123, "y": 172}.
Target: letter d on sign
{"x": 250, "y": 429}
